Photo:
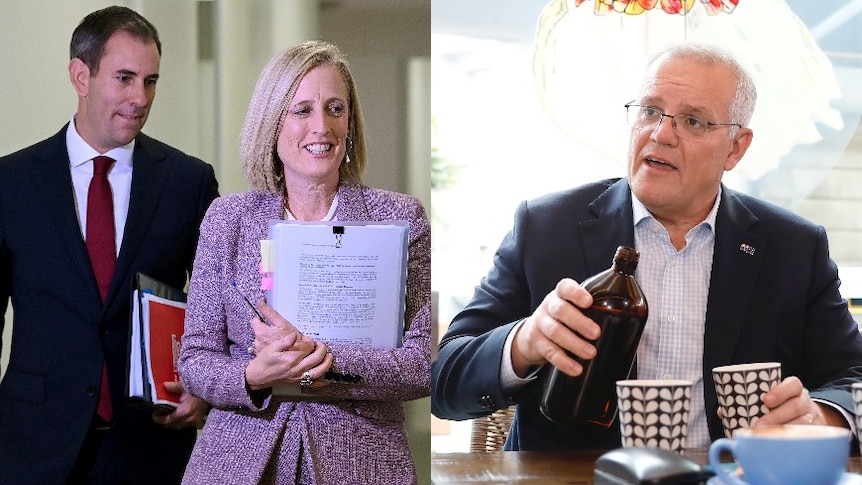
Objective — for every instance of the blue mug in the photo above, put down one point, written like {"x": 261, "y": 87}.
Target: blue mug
{"x": 784, "y": 455}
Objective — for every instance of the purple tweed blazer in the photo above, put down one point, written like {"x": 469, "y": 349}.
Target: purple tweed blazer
{"x": 358, "y": 438}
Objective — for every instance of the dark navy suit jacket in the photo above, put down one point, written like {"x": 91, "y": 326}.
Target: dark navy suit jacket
{"x": 780, "y": 303}
{"x": 61, "y": 330}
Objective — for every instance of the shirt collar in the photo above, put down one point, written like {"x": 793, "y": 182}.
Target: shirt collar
{"x": 640, "y": 212}
{"x": 80, "y": 152}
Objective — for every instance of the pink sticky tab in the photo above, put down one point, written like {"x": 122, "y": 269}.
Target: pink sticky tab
{"x": 266, "y": 283}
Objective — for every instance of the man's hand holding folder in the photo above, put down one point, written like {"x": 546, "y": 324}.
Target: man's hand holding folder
{"x": 155, "y": 336}
{"x": 189, "y": 412}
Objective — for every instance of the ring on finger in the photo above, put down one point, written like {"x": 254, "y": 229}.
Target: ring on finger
{"x": 306, "y": 379}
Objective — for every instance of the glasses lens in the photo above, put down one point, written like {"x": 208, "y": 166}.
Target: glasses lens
{"x": 690, "y": 127}
{"x": 634, "y": 116}
{"x": 648, "y": 117}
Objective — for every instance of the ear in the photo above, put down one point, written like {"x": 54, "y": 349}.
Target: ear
{"x": 741, "y": 142}
{"x": 79, "y": 74}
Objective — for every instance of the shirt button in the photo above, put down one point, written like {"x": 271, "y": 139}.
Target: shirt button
{"x": 671, "y": 318}
{"x": 666, "y": 377}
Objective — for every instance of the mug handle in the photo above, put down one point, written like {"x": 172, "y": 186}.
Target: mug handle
{"x": 715, "y": 449}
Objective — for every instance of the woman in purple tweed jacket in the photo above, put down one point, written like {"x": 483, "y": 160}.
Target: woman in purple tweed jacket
{"x": 302, "y": 150}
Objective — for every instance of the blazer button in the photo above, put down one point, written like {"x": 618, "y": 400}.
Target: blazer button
{"x": 91, "y": 391}
{"x": 486, "y": 401}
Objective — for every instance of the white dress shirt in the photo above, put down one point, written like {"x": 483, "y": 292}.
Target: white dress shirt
{"x": 676, "y": 285}
{"x": 81, "y": 157}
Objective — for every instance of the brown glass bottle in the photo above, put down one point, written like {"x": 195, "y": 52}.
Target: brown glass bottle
{"x": 589, "y": 401}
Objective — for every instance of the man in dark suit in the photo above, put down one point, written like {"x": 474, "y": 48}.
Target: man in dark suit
{"x": 729, "y": 278}
{"x": 69, "y": 328}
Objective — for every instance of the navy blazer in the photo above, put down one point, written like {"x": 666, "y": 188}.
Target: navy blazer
{"x": 61, "y": 330}
{"x": 780, "y": 303}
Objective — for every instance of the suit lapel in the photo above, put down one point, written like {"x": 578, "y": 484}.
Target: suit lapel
{"x": 148, "y": 177}
{"x": 613, "y": 226}
{"x": 51, "y": 174}
{"x": 736, "y": 263}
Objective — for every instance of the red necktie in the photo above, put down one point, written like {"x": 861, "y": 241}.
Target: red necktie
{"x": 101, "y": 247}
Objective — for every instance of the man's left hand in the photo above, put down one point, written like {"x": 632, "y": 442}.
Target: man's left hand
{"x": 790, "y": 403}
{"x": 190, "y": 412}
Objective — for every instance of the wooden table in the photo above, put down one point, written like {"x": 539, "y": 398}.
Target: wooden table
{"x": 536, "y": 467}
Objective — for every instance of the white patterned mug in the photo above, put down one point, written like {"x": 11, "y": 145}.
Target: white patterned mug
{"x": 740, "y": 389}
{"x": 654, "y": 413}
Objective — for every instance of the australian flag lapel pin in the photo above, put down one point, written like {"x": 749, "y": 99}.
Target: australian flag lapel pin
{"x": 745, "y": 248}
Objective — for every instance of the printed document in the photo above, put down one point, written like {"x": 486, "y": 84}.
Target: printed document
{"x": 341, "y": 282}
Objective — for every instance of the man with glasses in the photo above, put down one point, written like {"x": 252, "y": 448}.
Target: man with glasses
{"x": 729, "y": 278}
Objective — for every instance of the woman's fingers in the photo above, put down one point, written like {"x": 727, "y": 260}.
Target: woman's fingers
{"x": 274, "y": 318}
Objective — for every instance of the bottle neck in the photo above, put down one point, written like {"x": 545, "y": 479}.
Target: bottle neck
{"x": 626, "y": 260}
{"x": 625, "y": 266}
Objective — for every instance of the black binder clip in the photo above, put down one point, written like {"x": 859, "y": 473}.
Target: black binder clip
{"x": 339, "y": 232}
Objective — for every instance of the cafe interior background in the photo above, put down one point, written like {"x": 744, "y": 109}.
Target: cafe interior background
{"x": 527, "y": 98}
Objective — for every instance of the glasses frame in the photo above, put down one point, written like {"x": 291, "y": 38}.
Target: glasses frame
{"x": 709, "y": 124}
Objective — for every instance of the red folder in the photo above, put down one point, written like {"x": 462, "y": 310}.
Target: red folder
{"x": 166, "y": 333}
{"x": 155, "y": 336}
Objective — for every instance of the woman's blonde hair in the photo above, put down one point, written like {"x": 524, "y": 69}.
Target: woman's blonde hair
{"x": 272, "y": 95}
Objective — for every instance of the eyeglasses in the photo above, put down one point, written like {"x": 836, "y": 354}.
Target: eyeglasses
{"x": 685, "y": 126}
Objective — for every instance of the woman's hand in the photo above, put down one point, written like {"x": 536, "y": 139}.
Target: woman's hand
{"x": 275, "y": 328}
{"x": 283, "y": 355}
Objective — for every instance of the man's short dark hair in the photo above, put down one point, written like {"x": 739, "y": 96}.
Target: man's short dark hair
{"x": 91, "y": 35}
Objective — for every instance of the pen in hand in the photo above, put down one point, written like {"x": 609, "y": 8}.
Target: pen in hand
{"x": 248, "y": 302}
